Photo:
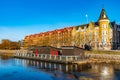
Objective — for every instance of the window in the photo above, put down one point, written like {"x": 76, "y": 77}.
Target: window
{"x": 104, "y": 26}
{"x": 90, "y": 36}
{"x": 104, "y": 32}
{"x": 96, "y": 33}
{"x": 111, "y": 33}
{"x": 104, "y": 39}
{"x": 96, "y": 39}
{"x": 90, "y": 28}
{"x": 104, "y": 16}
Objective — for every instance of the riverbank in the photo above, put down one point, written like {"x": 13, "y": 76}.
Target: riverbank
{"x": 87, "y": 52}
{"x": 113, "y": 52}
{"x": 97, "y": 56}
{"x": 103, "y": 61}
{"x": 7, "y": 53}
{"x": 10, "y": 55}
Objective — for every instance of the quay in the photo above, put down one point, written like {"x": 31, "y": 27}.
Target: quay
{"x": 53, "y": 58}
{"x": 80, "y": 59}
{"x": 65, "y": 55}
{"x": 76, "y": 61}
{"x": 104, "y": 58}
{"x": 8, "y": 51}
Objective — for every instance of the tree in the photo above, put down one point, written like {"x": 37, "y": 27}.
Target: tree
{"x": 7, "y": 44}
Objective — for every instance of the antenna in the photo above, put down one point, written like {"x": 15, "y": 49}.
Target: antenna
{"x": 102, "y": 6}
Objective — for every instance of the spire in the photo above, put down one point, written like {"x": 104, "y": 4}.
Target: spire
{"x": 103, "y": 14}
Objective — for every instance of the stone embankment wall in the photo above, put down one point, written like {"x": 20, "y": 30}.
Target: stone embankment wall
{"x": 104, "y": 56}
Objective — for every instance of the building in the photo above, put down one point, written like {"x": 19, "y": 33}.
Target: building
{"x": 102, "y": 34}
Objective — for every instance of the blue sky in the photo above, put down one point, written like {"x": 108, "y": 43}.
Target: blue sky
{"x": 19, "y": 18}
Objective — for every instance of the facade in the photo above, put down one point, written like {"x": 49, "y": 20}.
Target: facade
{"x": 102, "y": 34}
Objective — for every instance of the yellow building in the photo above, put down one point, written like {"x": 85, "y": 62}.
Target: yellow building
{"x": 102, "y": 34}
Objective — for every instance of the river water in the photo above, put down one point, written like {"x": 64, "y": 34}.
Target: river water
{"x": 22, "y": 69}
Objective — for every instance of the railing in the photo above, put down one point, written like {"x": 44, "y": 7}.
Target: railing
{"x": 48, "y": 57}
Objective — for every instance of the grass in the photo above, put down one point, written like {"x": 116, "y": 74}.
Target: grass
{"x": 103, "y": 52}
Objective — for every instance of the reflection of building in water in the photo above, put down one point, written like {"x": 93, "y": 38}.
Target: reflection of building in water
{"x": 72, "y": 72}
{"x": 57, "y": 70}
{"x": 104, "y": 71}
{"x": 50, "y": 66}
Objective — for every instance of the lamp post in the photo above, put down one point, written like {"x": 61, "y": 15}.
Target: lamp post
{"x": 84, "y": 36}
{"x": 86, "y": 18}
{"x": 80, "y": 36}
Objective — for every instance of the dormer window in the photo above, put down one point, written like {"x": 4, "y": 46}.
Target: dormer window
{"x": 104, "y": 16}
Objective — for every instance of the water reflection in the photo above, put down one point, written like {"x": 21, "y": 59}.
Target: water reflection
{"x": 99, "y": 72}
{"x": 4, "y": 57}
{"x": 103, "y": 71}
{"x": 68, "y": 72}
{"x": 47, "y": 65}
{"x": 58, "y": 70}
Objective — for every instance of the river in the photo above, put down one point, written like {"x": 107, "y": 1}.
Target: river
{"x": 23, "y": 69}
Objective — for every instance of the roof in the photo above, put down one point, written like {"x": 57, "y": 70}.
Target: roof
{"x": 82, "y": 26}
{"x": 70, "y": 47}
{"x": 96, "y": 24}
{"x": 103, "y": 15}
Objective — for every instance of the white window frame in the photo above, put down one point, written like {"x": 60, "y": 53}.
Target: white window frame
{"x": 104, "y": 32}
{"x": 96, "y": 33}
{"x": 104, "y": 25}
{"x": 104, "y": 39}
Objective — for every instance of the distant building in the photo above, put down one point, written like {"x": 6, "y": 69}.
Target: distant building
{"x": 102, "y": 34}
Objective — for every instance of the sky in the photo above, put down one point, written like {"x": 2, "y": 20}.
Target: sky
{"x": 19, "y": 18}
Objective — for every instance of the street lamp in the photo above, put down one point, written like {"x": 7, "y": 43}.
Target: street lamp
{"x": 84, "y": 36}
{"x": 86, "y": 18}
{"x": 80, "y": 36}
